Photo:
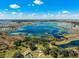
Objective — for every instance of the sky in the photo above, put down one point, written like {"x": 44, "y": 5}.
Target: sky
{"x": 39, "y": 9}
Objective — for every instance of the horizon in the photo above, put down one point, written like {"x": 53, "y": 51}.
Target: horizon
{"x": 43, "y": 9}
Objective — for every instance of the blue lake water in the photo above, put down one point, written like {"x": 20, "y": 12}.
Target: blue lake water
{"x": 70, "y": 44}
{"x": 42, "y": 28}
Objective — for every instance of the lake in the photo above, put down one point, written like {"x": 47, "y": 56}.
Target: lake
{"x": 41, "y": 28}
{"x": 70, "y": 44}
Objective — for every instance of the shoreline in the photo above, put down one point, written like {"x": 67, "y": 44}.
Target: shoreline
{"x": 72, "y": 38}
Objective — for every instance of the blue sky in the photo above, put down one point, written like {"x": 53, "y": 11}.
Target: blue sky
{"x": 49, "y": 9}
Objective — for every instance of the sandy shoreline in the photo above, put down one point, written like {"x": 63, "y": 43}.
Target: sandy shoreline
{"x": 70, "y": 38}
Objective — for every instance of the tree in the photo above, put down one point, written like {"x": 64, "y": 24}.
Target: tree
{"x": 24, "y": 45}
{"x": 46, "y": 49}
{"x": 73, "y": 53}
{"x": 54, "y": 52}
{"x": 32, "y": 46}
{"x": 18, "y": 55}
{"x": 17, "y": 43}
{"x": 27, "y": 39}
{"x": 65, "y": 53}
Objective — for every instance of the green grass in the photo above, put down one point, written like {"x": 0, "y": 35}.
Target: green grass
{"x": 10, "y": 53}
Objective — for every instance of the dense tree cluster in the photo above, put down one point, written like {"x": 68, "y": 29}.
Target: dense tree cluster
{"x": 34, "y": 43}
{"x": 55, "y": 52}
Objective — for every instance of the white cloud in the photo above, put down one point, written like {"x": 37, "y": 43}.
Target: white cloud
{"x": 51, "y": 15}
{"x": 33, "y": 14}
{"x": 14, "y": 6}
{"x": 13, "y": 13}
{"x": 65, "y": 12}
{"x": 1, "y": 14}
{"x": 21, "y": 13}
{"x": 45, "y": 15}
{"x": 38, "y": 2}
